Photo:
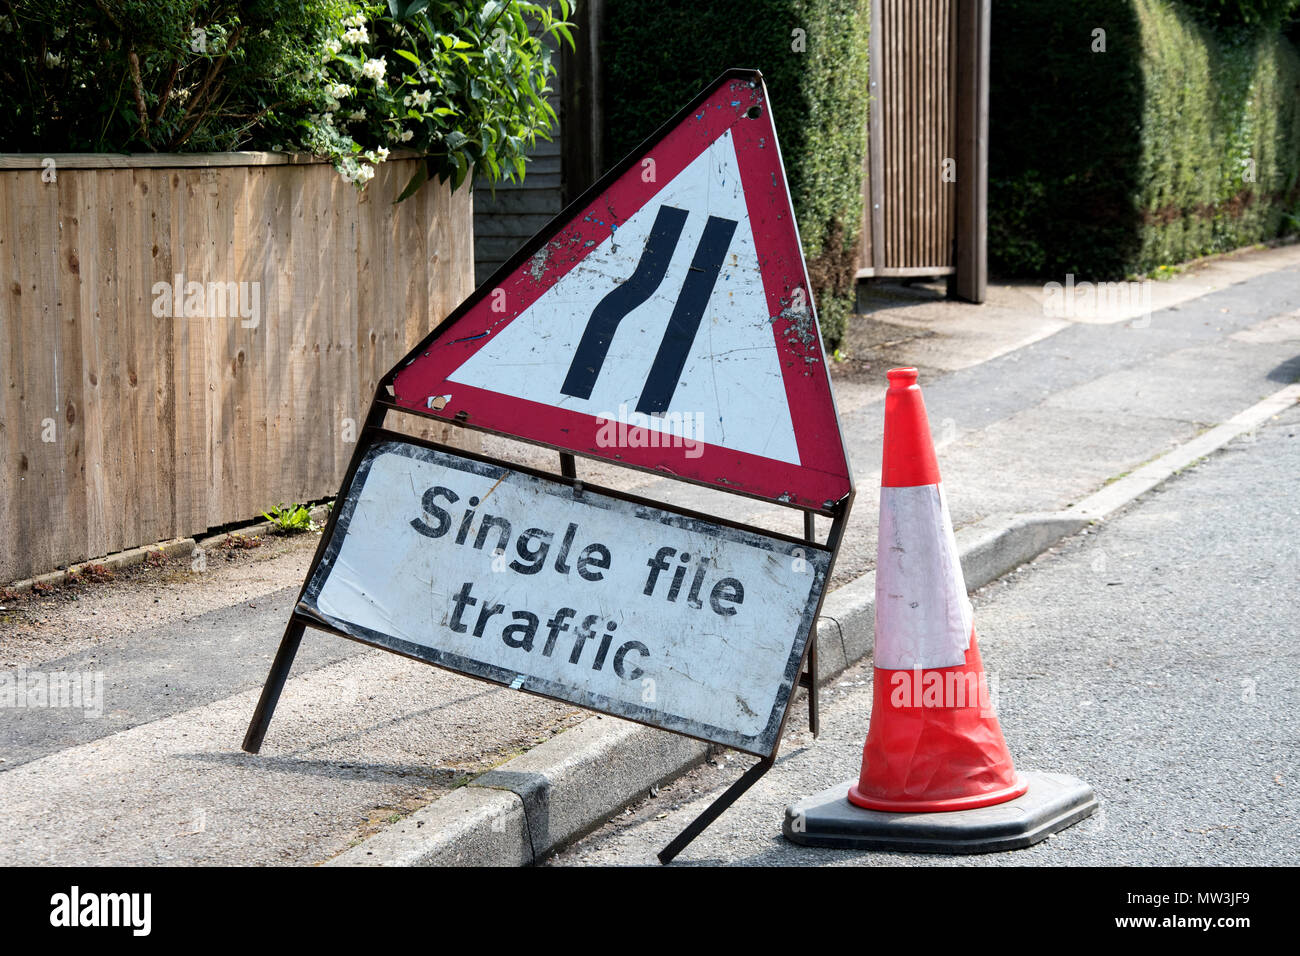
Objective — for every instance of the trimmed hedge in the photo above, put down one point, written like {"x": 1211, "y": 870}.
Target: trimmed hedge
{"x": 660, "y": 53}
{"x": 1111, "y": 164}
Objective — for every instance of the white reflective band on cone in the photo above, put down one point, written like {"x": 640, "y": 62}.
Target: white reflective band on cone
{"x": 923, "y": 617}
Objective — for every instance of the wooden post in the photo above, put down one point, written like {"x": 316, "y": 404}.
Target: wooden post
{"x": 972, "y": 109}
{"x": 876, "y": 146}
{"x": 582, "y": 120}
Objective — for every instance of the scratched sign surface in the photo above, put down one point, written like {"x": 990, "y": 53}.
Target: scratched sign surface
{"x": 608, "y": 603}
{"x": 666, "y": 325}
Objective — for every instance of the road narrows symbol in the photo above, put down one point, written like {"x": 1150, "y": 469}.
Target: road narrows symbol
{"x": 594, "y": 345}
{"x": 688, "y": 311}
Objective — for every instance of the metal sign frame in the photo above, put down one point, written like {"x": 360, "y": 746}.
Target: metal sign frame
{"x": 373, "y": 430}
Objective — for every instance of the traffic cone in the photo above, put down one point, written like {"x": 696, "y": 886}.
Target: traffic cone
{"x": 936, "y": 773}
{"x": 934, "y": 742}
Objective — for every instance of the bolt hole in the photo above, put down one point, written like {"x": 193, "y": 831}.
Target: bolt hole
{"x": 754, "y": 112}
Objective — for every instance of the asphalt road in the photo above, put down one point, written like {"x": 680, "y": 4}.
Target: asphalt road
{"x": 1155, "y": 656}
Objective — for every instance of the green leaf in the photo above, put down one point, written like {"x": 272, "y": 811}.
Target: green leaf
{"x": 420, "y": 177}
{"x": 462, "y": 170}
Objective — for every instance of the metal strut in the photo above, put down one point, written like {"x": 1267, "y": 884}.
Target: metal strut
{"x": 808, "y": 678}
{"x": 715, "y": 809}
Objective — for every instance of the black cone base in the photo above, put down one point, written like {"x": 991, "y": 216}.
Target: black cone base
{"x": 1053, "y": 802}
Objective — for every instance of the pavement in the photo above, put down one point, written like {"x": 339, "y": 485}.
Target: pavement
{"x": 1154, "y": 656}
{"x": 1032, "y": 412}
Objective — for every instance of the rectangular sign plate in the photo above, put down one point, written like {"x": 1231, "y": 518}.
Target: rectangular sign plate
{"x": 607, "y": 602}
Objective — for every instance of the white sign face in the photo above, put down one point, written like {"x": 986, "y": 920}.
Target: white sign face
{"x": 730, "y": 382}
{"x": 612, "y": 604}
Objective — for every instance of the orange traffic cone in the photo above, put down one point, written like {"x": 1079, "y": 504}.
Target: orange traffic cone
{"x": 936, "y": 772}
{"x": 934, "y": 741}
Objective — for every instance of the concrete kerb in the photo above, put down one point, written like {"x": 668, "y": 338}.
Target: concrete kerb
{"x": 554, "y": 794}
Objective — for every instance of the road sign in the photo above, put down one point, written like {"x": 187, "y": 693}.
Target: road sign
{"x": 664, "y": 322}
{"x": 532, "y": 581}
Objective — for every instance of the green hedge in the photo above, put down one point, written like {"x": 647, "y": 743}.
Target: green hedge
{"x": 660, "y": 53}
{"x": 1111, "y": 164}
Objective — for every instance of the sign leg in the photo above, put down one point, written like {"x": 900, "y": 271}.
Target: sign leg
{"x": 809, "y": 680}
{"x": 814, "y": 717}
{"x": 715, "y": 810}
{"x": 274, "y": 684}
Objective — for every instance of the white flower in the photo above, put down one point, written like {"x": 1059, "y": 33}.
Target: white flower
{"x": 355, "y": 21}
{"x": 392, "y": 136}
{"x": 357, "y": 116}
{"x": 356, "y": 36}
{"x": 338, "y": 90}
{"x": 420, "y": 99}
{"x": 406, "y": 136}
{"x": 52, "y": 60}
{"x": 354, "y": 172}
{"x": 377, "y": 155}
{"x": 374, "y": 70}
{"x": 333, "y": 46}
{"x": 328, "y": 119}
{"x": 331, "y": 103}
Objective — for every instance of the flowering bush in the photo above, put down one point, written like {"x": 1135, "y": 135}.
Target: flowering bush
{"x": 462, "y": 82}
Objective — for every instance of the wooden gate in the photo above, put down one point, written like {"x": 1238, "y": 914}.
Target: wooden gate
{"x": 926, "y": 162}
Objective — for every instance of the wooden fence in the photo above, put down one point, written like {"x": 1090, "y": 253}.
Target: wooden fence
{"x": 188, "y": 340}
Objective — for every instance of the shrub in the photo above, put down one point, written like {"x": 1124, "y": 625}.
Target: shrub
{"x": 659, "y": 53}
{"x": 1265, "y": 15}
{"x": 1173, "y": 143}
{"x": 150, "y": 75}
{"x": 460, "y": 81}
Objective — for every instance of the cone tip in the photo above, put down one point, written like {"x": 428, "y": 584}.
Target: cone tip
{"x": 901, "y": 377}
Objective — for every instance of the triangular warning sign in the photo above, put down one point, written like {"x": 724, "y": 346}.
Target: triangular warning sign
{"x": 663, "y": 321}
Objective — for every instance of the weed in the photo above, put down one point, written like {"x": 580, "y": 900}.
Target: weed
{"x": 289, "y": 519}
